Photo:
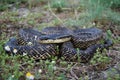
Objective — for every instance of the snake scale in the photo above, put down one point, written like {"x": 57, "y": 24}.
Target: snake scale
{"x": 72, "y": 44}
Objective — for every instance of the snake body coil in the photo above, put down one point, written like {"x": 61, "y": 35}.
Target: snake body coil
{"x": 73, "y": 44}
{"x": 27, "y": 45}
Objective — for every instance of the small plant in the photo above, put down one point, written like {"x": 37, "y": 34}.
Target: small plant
{"x": 3, "y": 7}
{"x": 100, "y": 58}
{"x": 78, "y": 54}
{"x": 61, "y": 77}
{"x": 10, "y": 68}
{"x": 12, "y": 1}
{"x": 5, "y": 4}
{"x": 113, "y": 74}
{"x": 100, "y": 61}
{"x": 59, "y": 4}
{"x": 95, "y": 10}
{"x": 109, "y": 34}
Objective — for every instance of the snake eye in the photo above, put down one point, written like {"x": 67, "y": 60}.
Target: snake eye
{"x": 7, "y": 48}
{"x": 14, "y": 50}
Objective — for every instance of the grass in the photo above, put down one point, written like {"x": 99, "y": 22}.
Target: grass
{"x": 95, "y": 11}
{"x": 16, "y": 67}
{"x": 5, "y": 4}
{"x": 100, "y": 58}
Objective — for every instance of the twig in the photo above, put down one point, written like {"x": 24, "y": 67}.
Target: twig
{"x": 59, "y": 68}
{"x": 76, "y": 14}
{"x": 72, "y": 73}
{"x": 54, "y": 14}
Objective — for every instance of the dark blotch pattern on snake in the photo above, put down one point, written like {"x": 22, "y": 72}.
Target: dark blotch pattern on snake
{"x": 80, "y": 44}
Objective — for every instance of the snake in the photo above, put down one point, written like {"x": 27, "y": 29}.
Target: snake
{"x": 72, "y": 44}
{"x": 26, "y": 44}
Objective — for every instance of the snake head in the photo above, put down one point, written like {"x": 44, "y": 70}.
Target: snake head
{"x": 9, "y": 46}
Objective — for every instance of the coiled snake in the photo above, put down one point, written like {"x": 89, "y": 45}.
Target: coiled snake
{"x": 73, "y": 44}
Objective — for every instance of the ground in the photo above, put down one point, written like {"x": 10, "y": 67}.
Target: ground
{"x": 42, "y": 15}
